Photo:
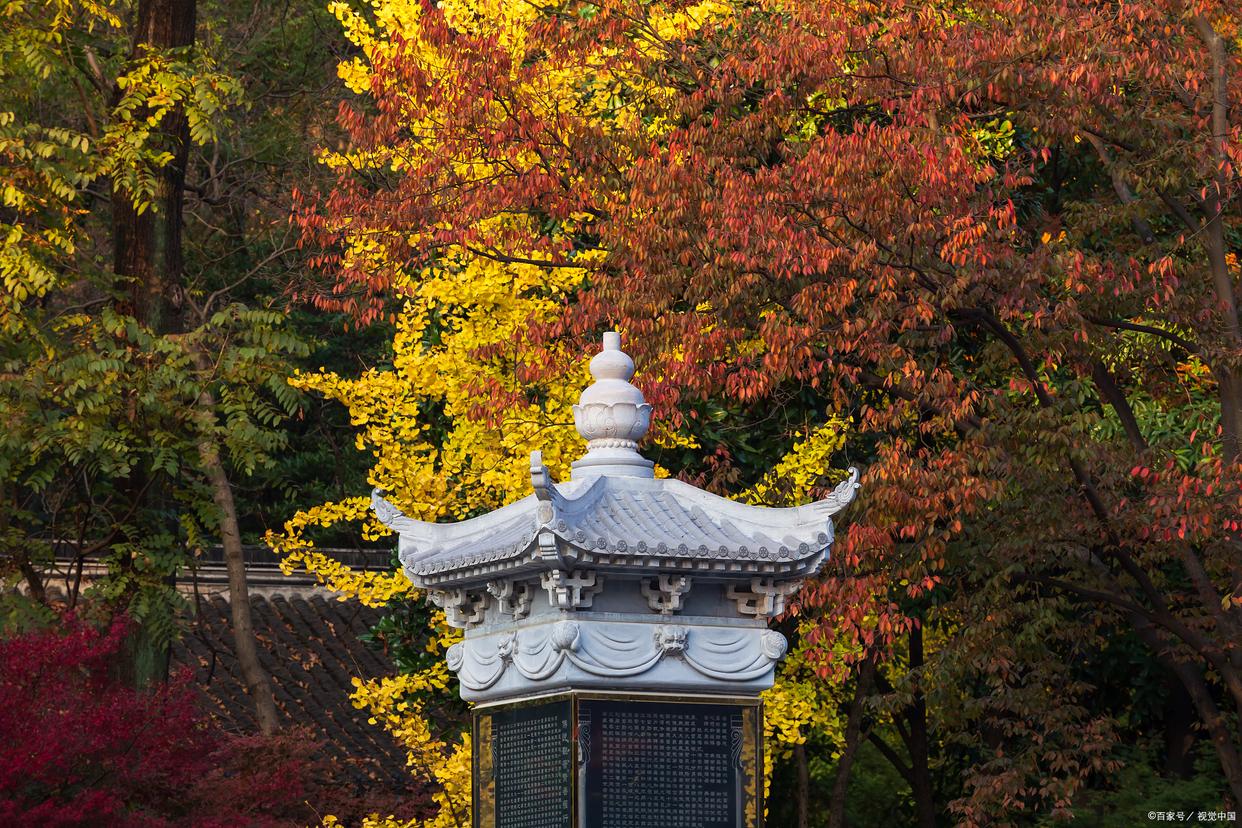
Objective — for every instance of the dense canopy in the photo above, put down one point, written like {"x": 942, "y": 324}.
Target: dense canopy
{"x": 987, "y": 253}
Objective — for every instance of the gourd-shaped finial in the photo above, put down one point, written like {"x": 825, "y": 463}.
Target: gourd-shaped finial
{"x": 612, "y": 416}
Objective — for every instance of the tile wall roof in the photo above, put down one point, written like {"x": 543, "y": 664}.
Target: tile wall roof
{"x": 310, "y": 646}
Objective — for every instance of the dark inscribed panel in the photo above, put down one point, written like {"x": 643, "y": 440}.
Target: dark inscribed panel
{"x": 523, "y": 766}
{"x": 667, "y": 765}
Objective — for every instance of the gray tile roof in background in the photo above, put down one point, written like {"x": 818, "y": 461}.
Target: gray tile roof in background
{"x": 310, "y": 646}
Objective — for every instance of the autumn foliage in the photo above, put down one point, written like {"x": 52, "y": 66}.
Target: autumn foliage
{"x": 78, "y": 747}
{"x": 1001, "y": 240}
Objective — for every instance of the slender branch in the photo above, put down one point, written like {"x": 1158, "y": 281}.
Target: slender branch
{"x": 1097, "y": 595}
{"x": 1086, "y": 484}
{"x": 1159, "y": 617}
{"x": 1116, "y": 398}
{"x": 1141, "y": 227}
{"x": 891, "y": 755}
{"x": 205, "y": 310}
{"x": 853, "y": 732}
{"x": 497, "y": 256}
{"x": 1137, "y": 327}
{"x": 1178, "y": 210}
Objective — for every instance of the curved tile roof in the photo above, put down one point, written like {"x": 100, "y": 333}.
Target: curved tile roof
{"x": 312, "y": 647}
{"x": 616, "y": 522}
{"x": 614, "y": 514}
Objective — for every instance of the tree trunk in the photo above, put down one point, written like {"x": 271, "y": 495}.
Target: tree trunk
{"x": 1228, "y": 377}
{"x": 853, "y": 733}
{"x": 147, "y": 244}
{"x": 34, "y": 581}
{"x": 804, "y": 786}
{"x": 918, "y": 743}
{"x": 1191, "y": 678}
{"x": 1179, "y": 731}
{"x": 258, "y": 683}
{"x": 147, "y": 260}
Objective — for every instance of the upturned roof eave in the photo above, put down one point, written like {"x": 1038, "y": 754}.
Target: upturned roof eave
{"x": 545, "y": 531}
{"x": 568, "y": 515}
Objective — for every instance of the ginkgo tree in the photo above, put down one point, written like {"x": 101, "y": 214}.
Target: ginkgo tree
{"x": 451, "y": 423}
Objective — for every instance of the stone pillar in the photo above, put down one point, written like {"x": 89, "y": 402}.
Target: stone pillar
{"x": 619, "y": 760}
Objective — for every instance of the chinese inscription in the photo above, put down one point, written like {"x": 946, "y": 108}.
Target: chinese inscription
{"x": 523, "y": 775}
{"x": 662, "y": 765}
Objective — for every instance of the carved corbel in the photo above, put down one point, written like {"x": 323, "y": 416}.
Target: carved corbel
{"x": 512, "y": 597}
{"x": 463, "y": 608}
{"x": 572, "y": 590}
{"x": 765, "y": 598}
{"x": 664, "y": 593}
{"x": 546, "y": 546}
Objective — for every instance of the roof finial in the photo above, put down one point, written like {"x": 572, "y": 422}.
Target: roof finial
{"x": 612, "y": 416}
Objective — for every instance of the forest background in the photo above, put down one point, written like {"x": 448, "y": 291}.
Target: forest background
{"x": 259, "y": 258}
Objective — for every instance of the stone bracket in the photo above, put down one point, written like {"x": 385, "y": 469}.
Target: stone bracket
{"x": 664, "y": 593}
{"x": 572, "y": 590}
{"x": 765, "y": 598}
{"x": 463, "y": 608}
{"x": 512, "y": 597}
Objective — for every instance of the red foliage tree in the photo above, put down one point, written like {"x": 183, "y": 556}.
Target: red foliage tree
{"x": 79, "y": 748}
{"x": 1003, "y": 236}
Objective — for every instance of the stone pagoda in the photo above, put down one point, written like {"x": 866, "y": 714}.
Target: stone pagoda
{"x": 615, "y": 630}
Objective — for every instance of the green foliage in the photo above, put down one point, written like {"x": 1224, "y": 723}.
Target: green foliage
{"x": 1139, "y": 787}
{"x": 106, "y": 413}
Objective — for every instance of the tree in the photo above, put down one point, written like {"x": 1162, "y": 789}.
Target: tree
{"x": 81, "y": 748}
{"x": 1002, "y": 239}
{"x": 872, "y": 265}
{"x": 140, "y": 381}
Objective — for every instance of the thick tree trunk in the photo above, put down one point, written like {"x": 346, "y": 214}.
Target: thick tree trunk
{"x": 1215, "y": 724}
{"x": 918, "y": 742}
{"x": 1228, "y": 377}
{"x": 1213, "y": 721}
{"x": 147, "y": 261}
{"x": 1179, "y": 731}
{"x": 258, "y": 683}
{"x": 853, "y": 734}
{"x": 1230, "y": 385}
{"x": 1215, "y": 656}
{"x": 147, "y": 244}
